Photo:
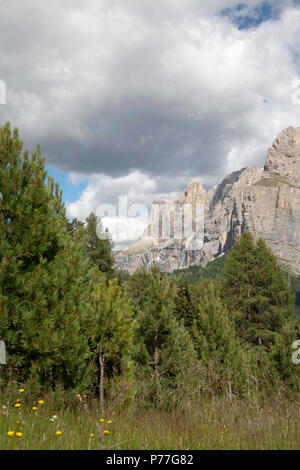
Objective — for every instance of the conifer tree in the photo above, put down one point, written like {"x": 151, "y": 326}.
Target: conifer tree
{"x": 73, "y": 226}
{"x": 137, "y": 284}
{"x": 281, "y": 358}
{"x": 218, "y": 349}
{"x": 164, "y": 350}
{"x": 110, "y": 326}
{"x": 184, "y": 307}
{"x": 44, "y": 275}
{"x": 99, "y": 246}
{"x": 256, "y": 291}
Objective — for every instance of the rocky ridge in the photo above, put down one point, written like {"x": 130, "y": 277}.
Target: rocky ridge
{"x": 264, "y": 201}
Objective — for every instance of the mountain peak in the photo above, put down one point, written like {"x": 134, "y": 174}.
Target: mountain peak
{"x": 265, "y": 202}
{"x": 284, "y": 154}
{"x": 194, "y": 193}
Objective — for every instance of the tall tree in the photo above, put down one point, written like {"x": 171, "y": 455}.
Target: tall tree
{"x": 164, "y": 350}
{"x": 225, "y": 363}
{"x": 110, "y": 326}
{"x": 256, "y": 291}
{"x": 136, "y": 286}
{"x": 45, "y": 276}
{"x": 99, "y": 246}
{"x": 184, "y": 306}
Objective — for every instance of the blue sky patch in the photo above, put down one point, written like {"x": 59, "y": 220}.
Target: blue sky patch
{"x": 245, "y": 18}
{"x": 71, "y": 192}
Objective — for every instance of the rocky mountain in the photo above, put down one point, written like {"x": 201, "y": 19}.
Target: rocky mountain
{"x": 263, "y": 201}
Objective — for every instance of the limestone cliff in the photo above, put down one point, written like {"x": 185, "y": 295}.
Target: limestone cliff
{"x": 265, "y": 202}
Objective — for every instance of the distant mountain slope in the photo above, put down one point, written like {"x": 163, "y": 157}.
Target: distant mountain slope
{"x": 264, "y": 201}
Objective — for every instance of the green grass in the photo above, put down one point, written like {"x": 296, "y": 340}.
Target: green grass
{"x": 218, "y": 424}
{"x": 275, "y": 180}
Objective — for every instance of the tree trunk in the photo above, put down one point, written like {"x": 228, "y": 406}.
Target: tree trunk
{"x": 155, "y": 358}
{"x": 101, "y": 381}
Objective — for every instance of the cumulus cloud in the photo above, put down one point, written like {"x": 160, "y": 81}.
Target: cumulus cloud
{"x": 142, "y": 97}
{"x": 137, "y": 187}
{"x": 123, "y": 203}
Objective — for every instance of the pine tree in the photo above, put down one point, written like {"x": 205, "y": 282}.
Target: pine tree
{"x": 110, "y": 326}
{"x": 184, "y": 307}
{"x": 73, "y": 226}
{"x": 99, "y": 246}
{"x": 45, "y": 276}
{"x": 137, "y": 284}
{"x": 256, "y": 291}
{"x": 219, "y": 351}
{"x": 164, "y": 350}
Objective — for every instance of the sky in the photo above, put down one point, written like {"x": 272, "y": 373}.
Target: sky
{"x": 138, "y": 98}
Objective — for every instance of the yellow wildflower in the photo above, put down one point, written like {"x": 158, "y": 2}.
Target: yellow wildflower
{"x": 78, "y": 395}
{"x": 84, "y": 396}
{"x": 10, "y": 433}
{"x": 101, "y": 420}
{"x": 21, "y": 390}
{"x": 17, "y": 422}
{"x": 106, "y": 431}
{"x": 41, "y": 402}
{"x": 109, "y": 421}
{"x": 19, "y": 434}
{"x": 17, "y": 405}
{"x": 58, "y": 433}
{"x": 34, "y": 408}
{"x": 92, "y": 435}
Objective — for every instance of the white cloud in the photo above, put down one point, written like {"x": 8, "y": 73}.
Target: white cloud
{"x": 141, "y": 97}
{"x": 137, "y": 187}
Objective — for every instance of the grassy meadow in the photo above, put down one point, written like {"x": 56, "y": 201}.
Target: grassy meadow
{"x": 215, "y": 425}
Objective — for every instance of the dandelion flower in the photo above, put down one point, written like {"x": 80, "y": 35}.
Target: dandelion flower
{"x": 92, "y": 435}
{"x": 41, "y": 402}
{"x": 106, "y": 431}
{"x": 58, "y": 433}
{"x": 10, "y": 433}
{"x": 109, "y": 421}
{"x": 17, "y": 405}
{"x": 78, "y": 395}
{"x": 19, "y": 434}
{"x": 84, "y": 396}
{"x": 21, "y": 390}
{"x": 101, "y": 420}
{"x": 34, "y": 408}
{"x": 17, "y": 422}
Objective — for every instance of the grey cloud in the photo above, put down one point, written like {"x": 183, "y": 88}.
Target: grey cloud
{"x": 112, "y": 87}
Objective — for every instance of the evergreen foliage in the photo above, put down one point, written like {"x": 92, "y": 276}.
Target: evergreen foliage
{"x": 99, "y": 246}
{"x": 73, "y": 226}
{"x": 110, "y": 327}
{"x": 137, "y": 285}
{"x": 66, "y": 320}
{"x": 164, "y": 350}
{"x": 256, "y": 291}
{"x": 218, "y": 349}
{"x": 184, "y": 307}
{"x": 44, "y": 274}
{"x": 195, "y": 274}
